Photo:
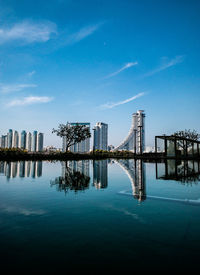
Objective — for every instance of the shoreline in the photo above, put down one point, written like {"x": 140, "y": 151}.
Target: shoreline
{"x": 11, "y": 155}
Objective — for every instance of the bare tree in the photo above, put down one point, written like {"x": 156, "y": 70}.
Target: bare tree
{"x": 72, "y": 133}
{"x": 193, "y": 135}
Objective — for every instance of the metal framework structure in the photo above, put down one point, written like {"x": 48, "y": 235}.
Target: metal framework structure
{"x": 135, "y": 141}
{"x": 178, "y": 146}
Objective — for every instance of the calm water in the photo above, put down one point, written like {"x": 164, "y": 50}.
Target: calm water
{"x": 99, "y": 215}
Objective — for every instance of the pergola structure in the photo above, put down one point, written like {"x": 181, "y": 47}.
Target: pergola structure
{"x": 173, "y": 146}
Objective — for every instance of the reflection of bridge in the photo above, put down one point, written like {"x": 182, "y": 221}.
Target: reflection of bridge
{"x": 135, "y": 140}
{"x": 136, "y": 172}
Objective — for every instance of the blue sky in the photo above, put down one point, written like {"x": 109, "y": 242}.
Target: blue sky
{"x": 92, "y": 61}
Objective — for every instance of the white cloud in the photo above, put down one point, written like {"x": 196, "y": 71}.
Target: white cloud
{"x": 128, "y": 65}
{"x": 112, "y": 105}
{"x": 29, "y": 100}
{"x": 82, "y": 34}
{"x": 27, "y": 32}
{"x": 166, "y": 64}
{"x": 30, "y": 74}
{"x": 9, "y": 88}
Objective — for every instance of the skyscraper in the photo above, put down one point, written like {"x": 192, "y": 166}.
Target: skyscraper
{"x": 10, "y": 137}
{"x": 15, "y": 141}
{"x": 135, "y": 141}
{"x": 100, "y": 136}
{"x": 40, "y": 140}
{"x": 139, "y": 128}
{"x": 4, "y": 141}
{"x": 23, "y": 140}
{"x": 81, "y": 147}
{"x": 34, "y": 141}
{"x": 28, "y": 141}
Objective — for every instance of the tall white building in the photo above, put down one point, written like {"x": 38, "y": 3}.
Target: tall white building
{"x": 100, "y": 141}
{"x": 4, "y": 141}
{"x": 34, "y": 142}
{"x": 28, "y": 141}
{"x": 81, "y": 147}
{"x": 23, "y": 139}
{"x": 40, "y": 141}
{"x": 15, "y": 140}
{"x": 9, "y": 138}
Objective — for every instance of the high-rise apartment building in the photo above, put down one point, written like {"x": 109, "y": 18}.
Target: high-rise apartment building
{"x": 23, "y": 140}
{"x": 40, "y": 141}
{"x": 4, "y": 141}
{"x": 15, "y": 140}
{"x": 100, "y": 136}
{"x": 34, "y": 141}
{"x": 81, "y": 147}
{"x": 10, "y": 137}
{"x": 28, "y": 141}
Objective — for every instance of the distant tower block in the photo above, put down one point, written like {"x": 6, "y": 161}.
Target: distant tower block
{"x": 135, "y": 141}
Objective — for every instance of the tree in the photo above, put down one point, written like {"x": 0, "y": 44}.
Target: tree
{"x": 193, "y": 135}
{"x": 72, "y": 133}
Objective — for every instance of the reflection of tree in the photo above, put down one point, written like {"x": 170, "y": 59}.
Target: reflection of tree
{"x": 72, "y": 180}
{"x": 187, "y": 174}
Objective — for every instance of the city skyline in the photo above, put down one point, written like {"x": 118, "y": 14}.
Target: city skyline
{"x": 25, "y": 140}
{"x": 99, "y": 61}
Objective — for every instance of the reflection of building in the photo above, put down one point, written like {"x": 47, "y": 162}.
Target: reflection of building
{"x": 39, "y": 168}
{"x": 100, "y": 136}
{"x": 82, "y": 166}
{"x": 75, "y": 176}
{"x": 136, "y": 172}
{"x": 81, "y": 147}
{"x": 183, "y": 170}
{"x": 100, "y": 173}
{"x": 135, "y": 141}
{"x": 21, "y": 169}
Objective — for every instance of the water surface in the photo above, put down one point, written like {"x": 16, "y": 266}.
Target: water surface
{"x": 99, "y": 215}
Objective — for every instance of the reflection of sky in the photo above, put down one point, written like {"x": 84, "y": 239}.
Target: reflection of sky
{"x": 19, "y": 210}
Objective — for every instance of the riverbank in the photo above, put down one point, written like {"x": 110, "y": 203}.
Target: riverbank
{"x": 17, "y": 154}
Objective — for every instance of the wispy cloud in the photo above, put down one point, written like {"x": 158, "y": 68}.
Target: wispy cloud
{"x": 114, "y": 104}
{"x": 29, "y": 100}
{"x": 128, "y": 65}
{"x": 27, "y": 32}
{"x": 166, "y": 64}
{"x": 9, "y": 88}
{"x": 81, "y": 34}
